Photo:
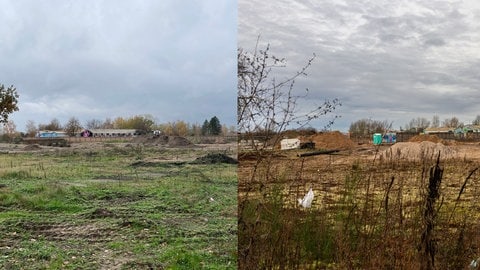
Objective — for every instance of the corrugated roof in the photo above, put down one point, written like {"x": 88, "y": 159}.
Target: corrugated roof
{"x": 438, "y": 129}
{"x": 114, "y": 131}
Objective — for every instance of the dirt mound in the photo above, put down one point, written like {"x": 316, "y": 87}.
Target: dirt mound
{"x": 101, "y": 213}
{"x": 178, "y": 141}
{"x": 329, "y": 140}
{"x": 215, "y": 158}
{"x": 32, "y": 147}
{"x": 172, "y": 141}
{"x": 416, "y": 151}
{"x": 425, "y": 138}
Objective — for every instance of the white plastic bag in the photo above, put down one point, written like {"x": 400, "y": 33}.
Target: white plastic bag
{"x": 306, "y": 202}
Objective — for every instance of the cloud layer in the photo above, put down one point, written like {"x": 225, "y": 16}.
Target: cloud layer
{"x": 384, "y": 60}
{"x": 97, "y": 59}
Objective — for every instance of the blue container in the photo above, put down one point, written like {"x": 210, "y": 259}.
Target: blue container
{"x": 377, "y": 139}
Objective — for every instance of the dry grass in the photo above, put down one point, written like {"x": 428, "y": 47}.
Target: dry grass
{"x": 383, "y": 206}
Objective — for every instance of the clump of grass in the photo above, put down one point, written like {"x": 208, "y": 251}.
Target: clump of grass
{"x": 18, "y": 175}
{"x": 41, "y": 197}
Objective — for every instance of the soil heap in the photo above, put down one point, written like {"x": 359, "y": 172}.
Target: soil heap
{"x": 172, "y": 141}
{"x": 32, "y": 147}
{"x": 215, "y": 158}
{"x": 426, "y": 137}
{"x": 330, "y": 140}
{"x": 417, "y": 151}
{"x": 177, "y": 141}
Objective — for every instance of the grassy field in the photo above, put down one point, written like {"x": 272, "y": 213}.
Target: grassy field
{"x": 390, "y": 214}
{"x": 116, "y": 206}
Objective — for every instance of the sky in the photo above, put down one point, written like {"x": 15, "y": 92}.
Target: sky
{"x": 173, "y": 60}
{"x": 384, "y": 60}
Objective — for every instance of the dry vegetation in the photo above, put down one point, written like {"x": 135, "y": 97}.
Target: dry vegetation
{"x": 387, "y": 207}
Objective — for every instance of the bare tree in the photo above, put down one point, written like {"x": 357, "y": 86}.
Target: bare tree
{"x": 93, "y": 124}
{"x": 476, "y": 121}
{"x": 435, "y": 121}
{"x": 9, "y": 128}
{"x": 31, "y": 128}
{"x": 108, "y": 123}
{"x": 54, "y": 125}
{"x": 451, "y": 122}
{"x": 266, "y": 105}
{"x": 418, "y": 124}
{"x": 72, "y": 126}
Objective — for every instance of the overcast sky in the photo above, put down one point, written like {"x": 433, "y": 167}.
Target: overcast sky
{"x": 175, "y": 60}
{"x": 385, "y": 60}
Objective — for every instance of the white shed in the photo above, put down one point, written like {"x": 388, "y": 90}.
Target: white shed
{"x": 286, "y": 144}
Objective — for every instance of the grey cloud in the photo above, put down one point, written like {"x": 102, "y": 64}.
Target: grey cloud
{"x": 435, "y": 42}
{"x": 393, "y": 60}
{"x": 121, "y": 58}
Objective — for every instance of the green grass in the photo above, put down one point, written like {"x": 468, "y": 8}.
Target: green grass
{"x": 92, "y": 209}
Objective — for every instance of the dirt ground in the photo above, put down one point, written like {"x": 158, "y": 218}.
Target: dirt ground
{"x": 326, "y": 168}
{"x": 148, "y": 141}
{"x": 415, "y": 149}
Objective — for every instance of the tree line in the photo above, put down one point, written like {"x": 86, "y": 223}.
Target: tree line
{"x": 365, "y": 127}
{"x": 143, "y": 123}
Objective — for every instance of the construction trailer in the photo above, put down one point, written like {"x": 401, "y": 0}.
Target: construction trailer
{"x": 287, "y": 144}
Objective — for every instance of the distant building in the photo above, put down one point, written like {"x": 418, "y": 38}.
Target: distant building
{"x": 432, "y": 130}
{"x": 50, "y": 134}
{"x": 110, "y": 133}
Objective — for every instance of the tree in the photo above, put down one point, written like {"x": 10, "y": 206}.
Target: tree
{"x": 52, "y": 126}
{"x": 166, "y": 129}
{"x": 141, "y": 122}
{"x": 93, "y": 124}
{"x": 268, "y": 105}
{"x": 418, "y": 124}
{"x": 215, "y": 127}
{"x": 138, "y": 122}
{"x": 195, "y": 130}
{"x": 180, "y": 128}
{"x": 108, "y": 124}
{"x": 8, "y": 102}
{"x": 451, "y": 122}
{"x": 10, "y": 128}
{"x": 435, "y": 121}
{"x": 73, "y": 126}
{"x": 364, "y": 128}
{"x": 120, "y": 122}
{"x": 206, "y": 128}
{"x": 31, "y": 128}
{"x": 476, "y": 121}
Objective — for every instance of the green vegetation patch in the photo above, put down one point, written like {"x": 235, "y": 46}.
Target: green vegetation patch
{"x": 92, "y": 209}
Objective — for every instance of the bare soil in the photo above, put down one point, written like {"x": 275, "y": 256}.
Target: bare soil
{"x": 330, "y": 140}
{"x": 172, "y": 141}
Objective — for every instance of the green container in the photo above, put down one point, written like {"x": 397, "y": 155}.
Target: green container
{"x": 377, "y": 139}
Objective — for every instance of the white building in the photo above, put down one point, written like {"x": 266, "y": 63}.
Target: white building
{"x": 286, "y": 144}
